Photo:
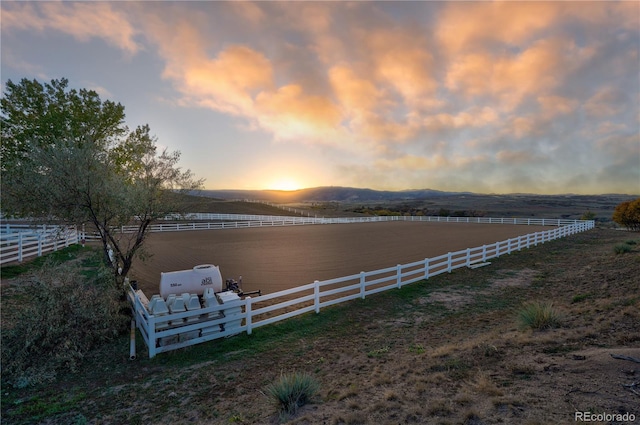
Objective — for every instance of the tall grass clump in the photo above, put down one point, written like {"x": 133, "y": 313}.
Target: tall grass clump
{"x": 63, "y": 316}
{"x": 622, "y": 248}
{"x": 538, "y": 315}
{"x": 292, "y": 391}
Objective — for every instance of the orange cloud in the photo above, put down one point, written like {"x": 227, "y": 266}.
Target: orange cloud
{"x": 80, "y": 20}
{"x": 465, "y": 26}
{"x": 250, "y": 11}
{"x": 509, "y": 79}
{"x": 475, "y": 117}
{"x": 227, "y": 82}
{"x": 356, "y": 94}
{"x": 366, "y": 107}
{"x": 403, "y": 61}
{"x": 516, "y": 157}
{"x": 553, "y": 105}
{"x": 291, "y": 115}
{"x": 604, "y": 103}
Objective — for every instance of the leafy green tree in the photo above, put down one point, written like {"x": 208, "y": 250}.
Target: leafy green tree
{"x": 68, "y": 157}
{"x": 627, "y": 214}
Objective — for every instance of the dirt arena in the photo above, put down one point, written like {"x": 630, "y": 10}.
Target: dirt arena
{"x": 276, "y": 258}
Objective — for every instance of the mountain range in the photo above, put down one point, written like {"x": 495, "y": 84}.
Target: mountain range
{"x": 327, "y": 194}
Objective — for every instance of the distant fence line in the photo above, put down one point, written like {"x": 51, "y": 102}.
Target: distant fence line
{"x": 21, "y": 241}
{"x": 170, "y": 332}
{"x": 235, "y": 221}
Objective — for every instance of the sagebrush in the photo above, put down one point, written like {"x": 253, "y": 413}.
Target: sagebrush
{"x": 63, "y": 316}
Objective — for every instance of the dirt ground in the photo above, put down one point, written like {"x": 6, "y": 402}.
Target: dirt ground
{"x": 272, "y": 259}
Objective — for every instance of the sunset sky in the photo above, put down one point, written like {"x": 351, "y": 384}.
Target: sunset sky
{"x": 456, "y": 96}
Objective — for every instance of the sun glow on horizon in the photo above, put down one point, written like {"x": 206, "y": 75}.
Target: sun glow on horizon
{"x": 285, "y": 184}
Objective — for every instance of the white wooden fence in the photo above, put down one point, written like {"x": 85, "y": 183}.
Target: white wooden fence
{"x": 18, "y": 242}
{"x": 231, "y": 221}
{"x": 194, "y": 327}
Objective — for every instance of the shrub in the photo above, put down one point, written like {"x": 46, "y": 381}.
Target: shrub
{"x": 588, "y": 215}
{"x": 622, "y": 248}
{"x": 627, "y": 214}
{"x": 292, "y": 391}
{"x": 64, "y": 316}
{"x": 539, "y": 315}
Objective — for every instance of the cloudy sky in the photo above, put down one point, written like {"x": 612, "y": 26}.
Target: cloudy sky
{"x": 463, "y": 96}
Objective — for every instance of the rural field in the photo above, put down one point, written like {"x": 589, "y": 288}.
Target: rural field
{"x": 449, "y": 350}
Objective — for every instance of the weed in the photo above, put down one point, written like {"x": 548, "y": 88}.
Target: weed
{"x": 580, "y": 297}
{"x": 378, "y": 352}
{"x": 292, "y": 391}
{"x": 622, "y": 248}
{"x": 416, "y": 348}
{"x": 236, "y": 418}
{"x": 539, "y": 315}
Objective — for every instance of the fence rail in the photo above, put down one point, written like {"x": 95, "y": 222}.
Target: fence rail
{"x": 260, "y": 311}
{"x": 236, "y": 221}
{"x": 22, "y": 241}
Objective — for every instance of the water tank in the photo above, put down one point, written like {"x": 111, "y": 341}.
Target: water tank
{"x": 193, "y": 281}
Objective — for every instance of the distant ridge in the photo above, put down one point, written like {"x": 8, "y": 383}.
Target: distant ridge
{"x": 328, "y": 194}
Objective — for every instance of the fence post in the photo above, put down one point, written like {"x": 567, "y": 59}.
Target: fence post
{"x": 20, "y": 247}
{"x": 509, "y": 246}
{"x": 247, "y": 310}
{"x": 39, "y": 244}
{"x": 484, "y": 253}
{"x": 426, "y": 268}
{"x": 449, "y": 262}
{"x": 399, "y": 275}
{"x": 151, "y": 332}
{"x": 362, "y": 281}
{"x": 468, "y": 257}
{"x": 316, "y": 295}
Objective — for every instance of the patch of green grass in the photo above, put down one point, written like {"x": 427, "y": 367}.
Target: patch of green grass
{"x": 292, "y": 391}
{"x": 416, "y": 348}
{"x": 57, "y": 257}
{"x": 43, "y": 407}
{"x": 539, "y": 315}
{"x": 580, "y": 297}
{"x": 378, "y": 352}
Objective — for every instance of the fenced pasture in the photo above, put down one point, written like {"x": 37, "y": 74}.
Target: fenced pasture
{"x": 272, "y": 258}
{"x": 21, "y": 241}
{"x": 188, "y": 328}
